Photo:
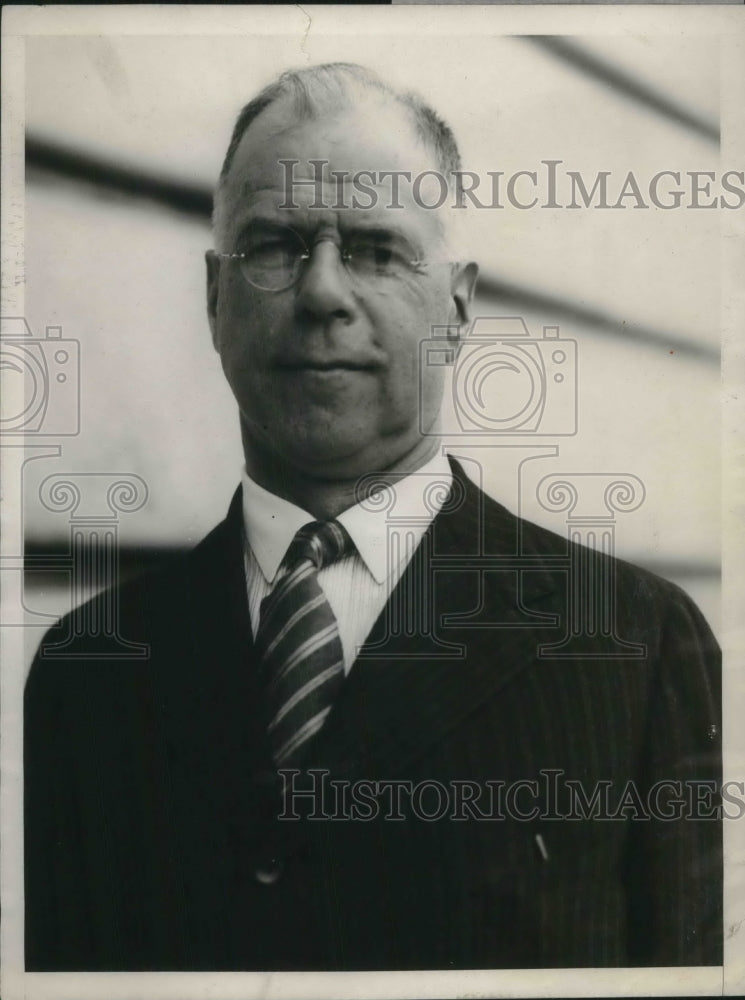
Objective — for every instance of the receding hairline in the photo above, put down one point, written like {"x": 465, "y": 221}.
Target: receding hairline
{"x": 319, "y": 90}
{"x": 358, "y": 116}
{"x": 332, "y": 89}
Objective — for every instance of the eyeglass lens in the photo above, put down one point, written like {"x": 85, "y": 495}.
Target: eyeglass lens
{"x": 272, "y": 260}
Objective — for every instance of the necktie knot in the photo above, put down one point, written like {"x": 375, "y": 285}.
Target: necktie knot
{"x": 320, "y": 542}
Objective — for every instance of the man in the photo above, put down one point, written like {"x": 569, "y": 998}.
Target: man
{"x": 265, "y": 790}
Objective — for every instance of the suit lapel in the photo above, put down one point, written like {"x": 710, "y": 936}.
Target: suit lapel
{"x": 407, "y": 690}
{"x": 211, "y": 707}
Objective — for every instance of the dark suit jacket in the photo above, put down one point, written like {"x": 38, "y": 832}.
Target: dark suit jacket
{"x": 148, "y": 807}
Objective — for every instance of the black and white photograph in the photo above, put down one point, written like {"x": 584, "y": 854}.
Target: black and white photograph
{"x": 372, "y": 470}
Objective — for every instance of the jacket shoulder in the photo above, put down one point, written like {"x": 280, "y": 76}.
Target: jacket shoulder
{"x": 121, "y": 623}
{"x": 639, "y": 590}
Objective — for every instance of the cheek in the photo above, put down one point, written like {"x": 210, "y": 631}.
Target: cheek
{"x": 247, "y": 328}
{"x": 431, "y": 385}
{"x": 411, "y": 385}
{"x": 404, "y": 320}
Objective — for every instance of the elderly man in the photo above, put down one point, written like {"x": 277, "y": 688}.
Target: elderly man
{"x": 266, "y": 790}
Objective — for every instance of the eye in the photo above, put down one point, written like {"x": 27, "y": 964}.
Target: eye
{"x": 272, "y": 249}
{"x": 380, "y": 254}
{"x": 270, "y": 256}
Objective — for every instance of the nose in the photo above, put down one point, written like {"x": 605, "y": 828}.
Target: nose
{"x": 324, "y": 291}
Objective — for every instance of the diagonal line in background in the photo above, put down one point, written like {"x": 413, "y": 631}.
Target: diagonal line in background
{"x": 571, "y": 311}
{"x": 188, "y": 199}
{"x": 625, "y": 84}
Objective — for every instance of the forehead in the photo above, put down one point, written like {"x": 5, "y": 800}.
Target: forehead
{"x": 372, "y": 137}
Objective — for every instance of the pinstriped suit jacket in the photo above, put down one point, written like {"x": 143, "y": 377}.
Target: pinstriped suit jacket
{"x": 149, "y": 810}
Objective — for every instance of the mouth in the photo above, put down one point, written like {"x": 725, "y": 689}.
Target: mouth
{"x": 325, "y": 367}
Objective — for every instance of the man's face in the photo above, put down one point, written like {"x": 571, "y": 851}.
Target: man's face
{"x": 326, "y": 372}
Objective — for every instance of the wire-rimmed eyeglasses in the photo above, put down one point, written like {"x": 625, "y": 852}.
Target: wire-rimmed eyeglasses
{"x": 273, "y": 259}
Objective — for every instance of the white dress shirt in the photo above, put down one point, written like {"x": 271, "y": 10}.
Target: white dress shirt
{"x": 386, "y": 530}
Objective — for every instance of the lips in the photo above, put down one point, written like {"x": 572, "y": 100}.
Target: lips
{"x": 334, "y": 365}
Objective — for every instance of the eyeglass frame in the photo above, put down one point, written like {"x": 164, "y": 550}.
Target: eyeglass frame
{"x": 344, "y": 254}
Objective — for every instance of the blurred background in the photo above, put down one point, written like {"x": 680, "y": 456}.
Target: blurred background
{"x": 125, "y": 138}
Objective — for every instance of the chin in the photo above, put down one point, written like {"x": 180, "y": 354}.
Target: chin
{"x": 348, "y": 459}
{"x": 327, "y": 461}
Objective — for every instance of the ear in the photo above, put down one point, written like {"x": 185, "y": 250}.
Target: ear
{"x": 462, "y": 286}
{"x": 213, "y": 289}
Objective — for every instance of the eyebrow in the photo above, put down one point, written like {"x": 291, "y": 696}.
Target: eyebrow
{"x": 262, "y": 222}
{"x": 376, "y": 230}
{"x": 358, "y": 228}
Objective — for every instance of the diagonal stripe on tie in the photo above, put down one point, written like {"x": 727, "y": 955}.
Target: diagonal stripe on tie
{"x": 288, "y": 751}
{"x": 284, "y": 631}
{"x": 303, "y": 692}
{"x": 312, "y": 645}
{"x": 299, "y": 645}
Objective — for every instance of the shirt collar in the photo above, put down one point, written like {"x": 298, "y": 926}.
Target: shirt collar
{"x": 412, "y": 503}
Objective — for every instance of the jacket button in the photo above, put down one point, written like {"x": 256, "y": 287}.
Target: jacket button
{"x": 268, "y": 872}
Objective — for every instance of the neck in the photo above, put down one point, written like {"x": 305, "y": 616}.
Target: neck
{"x": 325, "y": 495}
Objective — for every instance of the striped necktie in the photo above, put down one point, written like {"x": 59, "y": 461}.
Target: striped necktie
{"x": 298, "y": 643}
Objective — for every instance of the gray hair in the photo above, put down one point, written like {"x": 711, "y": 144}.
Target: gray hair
{"x": 318, "y": 90}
